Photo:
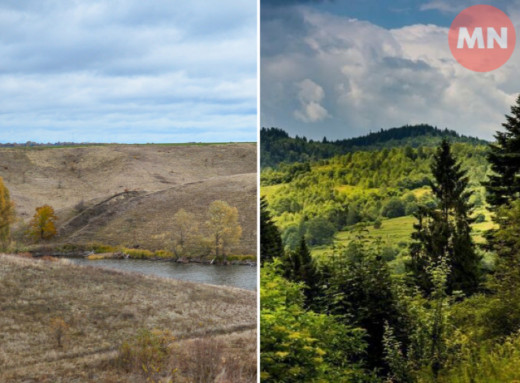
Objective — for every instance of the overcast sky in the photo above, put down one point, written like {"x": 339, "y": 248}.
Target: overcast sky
{"x": 128, "y": 70}
{"x": 347, "y": 67}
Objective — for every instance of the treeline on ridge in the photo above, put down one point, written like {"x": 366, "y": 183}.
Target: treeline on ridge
{"x": 276, "y": 146}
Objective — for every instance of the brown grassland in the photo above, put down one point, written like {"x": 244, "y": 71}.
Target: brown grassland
{"x": 66, "y": 323}
{"x": 129, "y": 193}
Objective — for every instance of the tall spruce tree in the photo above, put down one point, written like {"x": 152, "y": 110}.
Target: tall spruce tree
{"x": 301, "y": 267}
{"x": 443, "y": 232}
{"x": 503, "y": 185}
{"x": 270, "y": 239}
{"x": 503, "y": 194}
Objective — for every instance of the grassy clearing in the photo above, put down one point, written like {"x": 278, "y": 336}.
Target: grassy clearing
{"x": 395, "y": 232}
{"x": 66, "y": 323}
{"x": 422, "y": 192}
{"x": 352, "y": 190}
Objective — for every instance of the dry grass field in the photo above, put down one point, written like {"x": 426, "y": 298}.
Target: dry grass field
{"x": 132, "y": 191}
{"x": 66, "y": 323}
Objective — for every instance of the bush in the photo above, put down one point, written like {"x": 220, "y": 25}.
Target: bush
{"x": 394, "y": 208}
{"x": 147, "y": 354}
{"x": 299, "y": 345}
{"x": 203, "y": 360}
{"x": 99, "y": 248}
{"x": 378, "y": 224}
{"x": 411, "y": 208}
{"x": 59, "y": 331}
{"x": 153, "y": 354}
{"x": 319, "y": 231}
{"x": 163, "y": 254}
{"x": 138, "y": 253}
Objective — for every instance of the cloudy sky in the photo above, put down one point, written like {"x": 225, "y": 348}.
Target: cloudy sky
{"x": 347, "y": 67}
{"x": 128, "y": 70}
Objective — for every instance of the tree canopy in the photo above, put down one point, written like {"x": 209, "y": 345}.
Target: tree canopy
{"x": 43, "y": 224}
{"x": 224, "y": 227}
{"x": 6, "y": 213}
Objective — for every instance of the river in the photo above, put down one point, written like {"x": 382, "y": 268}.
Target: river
{"x": 243, "y": 277}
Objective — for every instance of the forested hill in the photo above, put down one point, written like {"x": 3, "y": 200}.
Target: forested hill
{"x": 277, "y": 146}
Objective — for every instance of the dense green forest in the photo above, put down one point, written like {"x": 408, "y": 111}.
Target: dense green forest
{"x": 276, "y": 146}
{"x": 391, "y": 258}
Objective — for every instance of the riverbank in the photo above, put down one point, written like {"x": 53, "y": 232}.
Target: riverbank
{"x": 99, "y": 251}
{"x": 61, "y": 322}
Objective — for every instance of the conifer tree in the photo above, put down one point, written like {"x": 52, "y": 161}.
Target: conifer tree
{"x": 504, "y": 157}
{"x": 360, "y": 292}
{"x": 443, "y": 233}
{"x": 301, "y": 267}
{"x": 270, "y": 239}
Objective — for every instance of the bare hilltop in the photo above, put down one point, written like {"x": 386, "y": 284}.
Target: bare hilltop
{"x": 127, "y": 194}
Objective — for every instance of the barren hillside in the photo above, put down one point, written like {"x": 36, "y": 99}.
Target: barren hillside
{"x": 130, "y": 192}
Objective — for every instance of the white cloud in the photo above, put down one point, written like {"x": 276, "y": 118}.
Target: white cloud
{"x": 95, "y": 66}
{"x": 375, "y": 78}
{"x": 310, "y": 96}
{"x": 443, "y": 6}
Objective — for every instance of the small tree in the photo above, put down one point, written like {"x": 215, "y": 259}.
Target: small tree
{"x": 43, "y": 224}
{"x": 185, "y": 228}
{"x": 223, "y": 226}
{"x": 270, "y": 239}
{"x": 301, "y": 267}
{"x": 6, "y": 214}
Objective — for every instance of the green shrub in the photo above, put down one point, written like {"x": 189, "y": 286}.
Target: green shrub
{"x": 138, "y": 253}
{"x": 498, "y": 363}
{"x": 147, "y": 353}
{"x": 99, "y": 248}
{"x": 163, "y": 254}
{"x": 300, "y": 345}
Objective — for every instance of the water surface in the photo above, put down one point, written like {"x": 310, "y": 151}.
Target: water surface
{"x": 243, "y": 277}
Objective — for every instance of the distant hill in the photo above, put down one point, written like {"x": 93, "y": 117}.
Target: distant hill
{"x": 128, "y": 194}
{"x": 277, "y": 146}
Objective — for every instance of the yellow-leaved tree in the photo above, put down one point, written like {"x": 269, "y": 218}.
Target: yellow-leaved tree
{"x": 6, "y": 215}
{"x": 43, "y": 224}
{"x": 185, "y": 230}
{"x": 223, "y": 227}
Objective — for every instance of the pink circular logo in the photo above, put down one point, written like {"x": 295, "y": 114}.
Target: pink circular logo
{"x": 482, "y": 38}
